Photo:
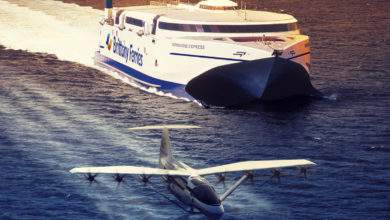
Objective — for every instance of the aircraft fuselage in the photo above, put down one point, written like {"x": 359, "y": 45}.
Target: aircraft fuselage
{"x": 193, "y": 191}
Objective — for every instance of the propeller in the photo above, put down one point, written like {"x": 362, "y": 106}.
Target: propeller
{"x": 144, "y": 178}
{"x": 221, "y": 177}
{"x": 276, "y": 174}
{"x": 303, "y": 172}
{"x": 90, "y": 177}
{"x": 250, "y": 175}
{"x": 119, "y": 178}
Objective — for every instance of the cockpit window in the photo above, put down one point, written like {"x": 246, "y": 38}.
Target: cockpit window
{"x": 204, "y": 193}
{"x": 258, "y": 28}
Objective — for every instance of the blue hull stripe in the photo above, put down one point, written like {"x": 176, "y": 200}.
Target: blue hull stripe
{"x": 165, "y": 86}
{"x": 206, "y": 57}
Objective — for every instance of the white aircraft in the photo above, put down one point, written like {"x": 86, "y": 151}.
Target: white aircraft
{"x": 187, "y": 183}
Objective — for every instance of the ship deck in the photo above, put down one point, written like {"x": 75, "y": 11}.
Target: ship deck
{"x": 208, "y": 16}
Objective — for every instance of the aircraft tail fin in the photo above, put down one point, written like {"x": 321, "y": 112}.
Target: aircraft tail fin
{"x": 165, "y": 148}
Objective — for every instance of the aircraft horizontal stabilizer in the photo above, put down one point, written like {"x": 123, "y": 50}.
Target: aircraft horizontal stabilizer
{"x": 130, "y": 170}
{"x": 254, "y": 165}
{"x": 158, "y": 127}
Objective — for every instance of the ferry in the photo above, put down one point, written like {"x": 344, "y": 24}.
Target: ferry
{"x": 211, "y": 52}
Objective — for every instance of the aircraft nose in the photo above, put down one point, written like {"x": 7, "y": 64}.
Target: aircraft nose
{"x": 215, "y": 211}
{"x": 219, "y": 210}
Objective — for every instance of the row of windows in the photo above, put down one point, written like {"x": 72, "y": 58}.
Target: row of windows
{"x": 129, "y": 20}
{"x": 216, "y": 28}
{"x": 134, "y": 21}
{"x": 228, "y": 28}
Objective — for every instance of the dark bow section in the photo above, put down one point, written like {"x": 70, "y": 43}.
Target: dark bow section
{"x": 267, "y": 79}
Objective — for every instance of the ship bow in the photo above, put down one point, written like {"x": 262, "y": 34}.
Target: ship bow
{"x": 235, "y": 84}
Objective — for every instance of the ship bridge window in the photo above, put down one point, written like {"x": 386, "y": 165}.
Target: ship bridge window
{"x": 135, "y": 22}
{"x": 258, "y": 28}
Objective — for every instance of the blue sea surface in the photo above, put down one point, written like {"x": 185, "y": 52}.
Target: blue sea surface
{"x": 56, "y": 115}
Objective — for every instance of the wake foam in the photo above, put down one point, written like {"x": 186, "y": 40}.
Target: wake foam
{"x": 66, "y": 30}
{"x": 332, "y": 97}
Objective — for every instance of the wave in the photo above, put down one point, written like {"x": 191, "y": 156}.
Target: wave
{"x": 70, "y": 33}
{"x": 65, "y": 30}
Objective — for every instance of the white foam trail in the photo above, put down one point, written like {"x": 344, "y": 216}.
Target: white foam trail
{"x": 51, "y": 29}
{"x": 66, "y": 30}
{"x": 332, "y": 97}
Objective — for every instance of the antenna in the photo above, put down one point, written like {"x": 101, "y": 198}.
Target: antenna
{"x": 243, "y": 7}
{"x": 245, "y": 10}
{"x": 108, "y": 12}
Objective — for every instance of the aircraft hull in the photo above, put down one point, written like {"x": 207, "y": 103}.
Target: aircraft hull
{"x": 185, "y": 196}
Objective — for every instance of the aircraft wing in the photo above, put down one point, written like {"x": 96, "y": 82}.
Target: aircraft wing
{"x": 254, "y": 165}
{"x": 157, "y": 127}
{"x": 130, "y": 170}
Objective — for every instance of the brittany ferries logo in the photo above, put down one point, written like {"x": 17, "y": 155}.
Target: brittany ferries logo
{"x": 122, "y": 50}
{"x": 108, "y": 42}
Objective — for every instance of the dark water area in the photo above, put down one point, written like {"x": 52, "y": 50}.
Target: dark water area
{"x": 56, "y": 115}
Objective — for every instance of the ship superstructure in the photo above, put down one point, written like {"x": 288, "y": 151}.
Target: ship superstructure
{"x": 211, "y": 52}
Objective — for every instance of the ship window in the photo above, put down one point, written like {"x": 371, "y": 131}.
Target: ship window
{"x": 258, "y": 28}
{"x": 134, "y": 21}
{"x": 207, "y": 28}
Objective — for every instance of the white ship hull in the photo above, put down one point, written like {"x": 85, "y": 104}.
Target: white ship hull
{"x": 218, "y": 70}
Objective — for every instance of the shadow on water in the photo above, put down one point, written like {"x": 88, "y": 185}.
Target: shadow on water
{"x": 282, "y": 107}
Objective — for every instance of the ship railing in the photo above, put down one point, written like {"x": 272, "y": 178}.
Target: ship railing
{"x": 164, "y": 2}
{"x": 242, "y": 4}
